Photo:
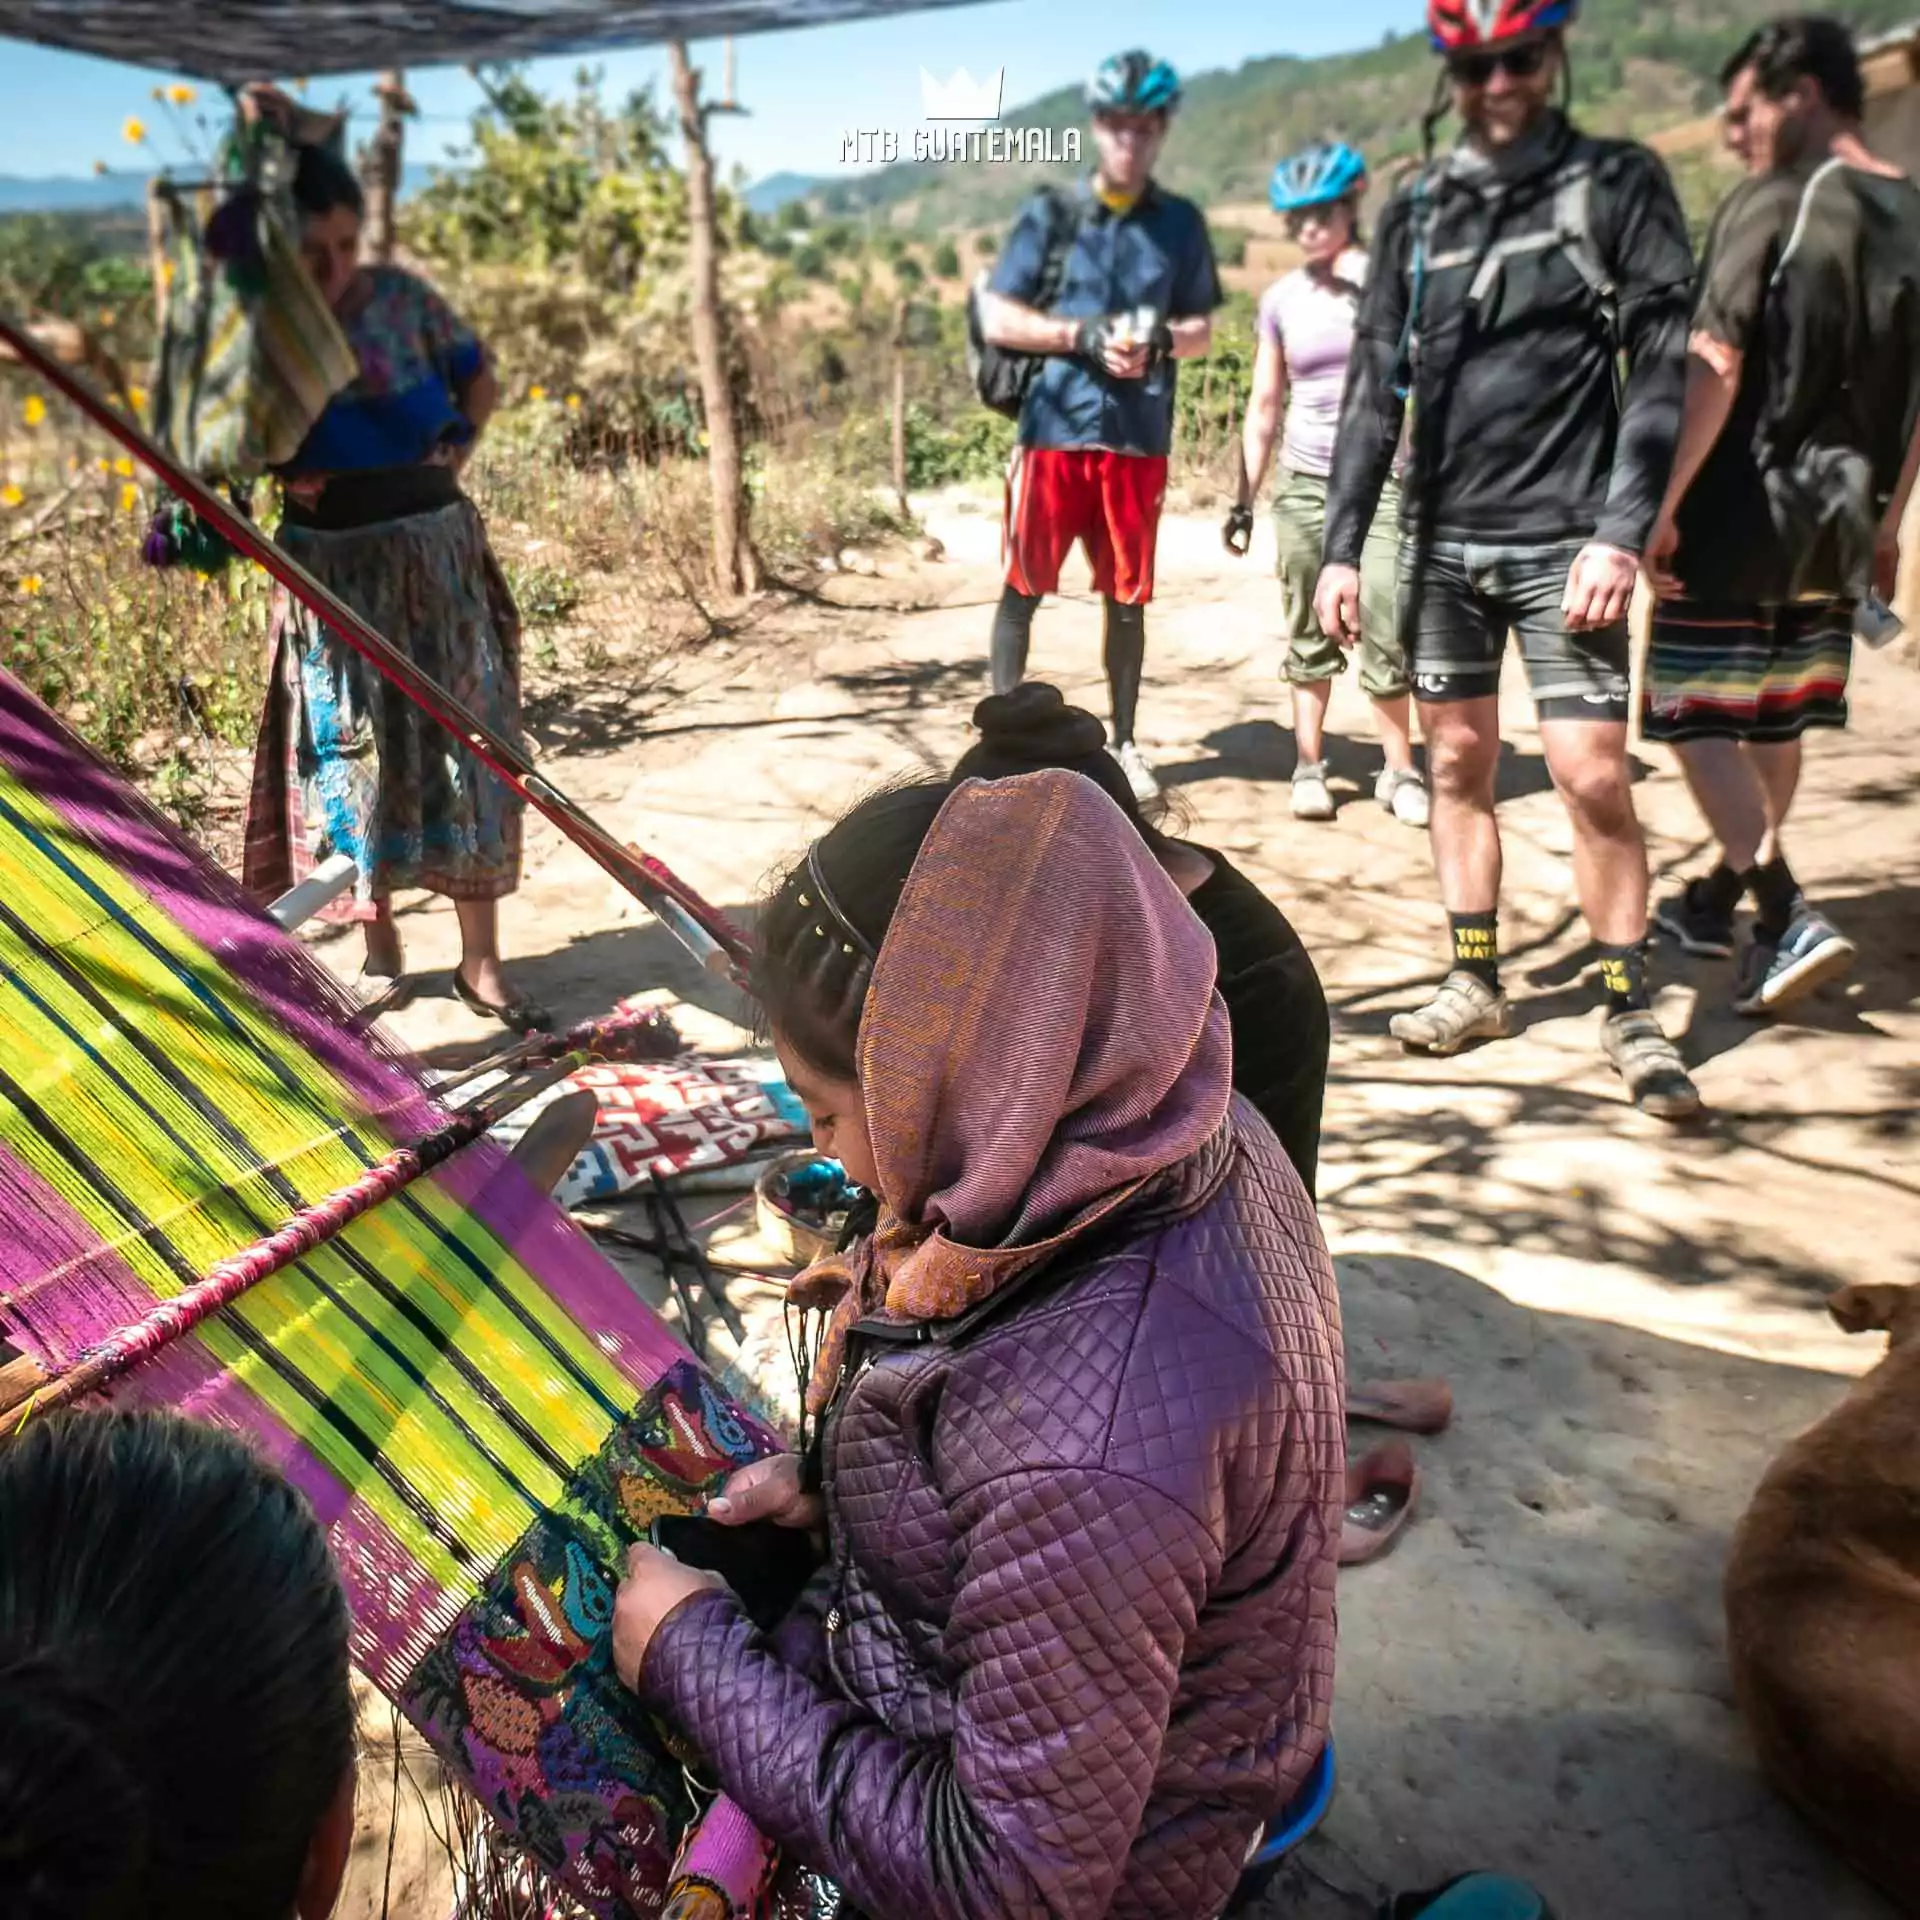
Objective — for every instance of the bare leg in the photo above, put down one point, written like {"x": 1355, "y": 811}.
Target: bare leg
{"x": 1310, "y": 700}
{"x": 1463, "y": 750}
{"x": 1588, "y": 761}
{"x": 1730, "y": 793}
{"x": 384, "y": 956}
{"x": 1776, "y": 765}
{"x": 1393, "y": 715}
{"x": 480, "y": 949}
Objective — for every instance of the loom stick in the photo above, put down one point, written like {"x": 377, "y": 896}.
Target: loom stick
{"x": 707, "y": 933}
{"x": 26, "y": 1386}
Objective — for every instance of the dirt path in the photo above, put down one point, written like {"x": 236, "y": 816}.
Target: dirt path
{"x": 1629, "y": 1316}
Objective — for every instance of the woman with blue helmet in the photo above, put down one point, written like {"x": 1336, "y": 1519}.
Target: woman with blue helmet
{"x": 1305, "y": 332}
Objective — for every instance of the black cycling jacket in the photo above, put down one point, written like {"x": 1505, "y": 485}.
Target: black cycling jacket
{"x": 1518, "y": 436}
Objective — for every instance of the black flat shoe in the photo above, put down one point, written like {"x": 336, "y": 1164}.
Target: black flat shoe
{"x": 518, "y": 1015}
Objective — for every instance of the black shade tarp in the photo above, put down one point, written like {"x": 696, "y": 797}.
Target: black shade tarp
{"x": 234, "y": 40}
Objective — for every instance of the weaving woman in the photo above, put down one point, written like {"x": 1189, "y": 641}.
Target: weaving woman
{"x": 1081, "y": 1448}
{"x": 374, "y": 510}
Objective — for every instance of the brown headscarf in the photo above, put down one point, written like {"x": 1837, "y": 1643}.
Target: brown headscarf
{"x": 1041, "y": 1037}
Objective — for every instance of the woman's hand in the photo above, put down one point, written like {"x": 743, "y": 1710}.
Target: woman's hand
{"x": 770, "y": 1489}
{"x": 304, "y": 126}
{"x": 655, "y": 1585}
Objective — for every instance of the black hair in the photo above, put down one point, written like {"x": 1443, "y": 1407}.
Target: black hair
{"x": 173, "y": 1674}
{"x": 1810, "y": 46}
{"x": 823, "y": 923}
{"x": 1741, "y": 58}
{"x": 323, "y": 181}
{"x": 1034, "y": 727}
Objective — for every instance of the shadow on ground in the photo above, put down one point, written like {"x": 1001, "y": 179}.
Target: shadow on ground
{"x": 1534, "y": 1681}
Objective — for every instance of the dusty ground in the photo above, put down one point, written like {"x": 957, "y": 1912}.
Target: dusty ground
{"x": 1630, "y": 1316}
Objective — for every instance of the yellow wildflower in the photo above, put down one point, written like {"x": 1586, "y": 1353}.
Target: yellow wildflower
{"x": 34, "y": 410}
{"x": 536, "y": 394}
{"x": 103, "y": 465}
{"x": 135, "y": 130}
{"x": 138, "y": 395}
{"x": 129, "y": 497}
{"x": 573, "y": 403}
{"x": 106, "y": 316}
{"x": 10, "y": 495}
{"x": 123, "y": 467}
{"x": 182, "y": 96}
{"x": 31, "y": 583}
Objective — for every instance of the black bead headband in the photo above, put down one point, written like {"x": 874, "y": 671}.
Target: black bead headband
{"x": 856, "y": 941}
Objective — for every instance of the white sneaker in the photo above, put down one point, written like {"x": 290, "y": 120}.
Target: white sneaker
{"x": 1312, "y": 797}
{"x": 1140, "y": 775}
{"x": 1404, "y": 795}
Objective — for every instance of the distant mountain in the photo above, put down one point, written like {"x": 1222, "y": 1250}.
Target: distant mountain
{"x": 102, "y": 192}
{"x": 778, "y": 190}
{"x": 1635, "y": 69}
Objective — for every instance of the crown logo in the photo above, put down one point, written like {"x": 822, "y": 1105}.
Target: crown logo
{"x": 962, "y": 97}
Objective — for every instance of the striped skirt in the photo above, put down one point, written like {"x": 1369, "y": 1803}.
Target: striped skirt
{"x": 1764, "y": 673}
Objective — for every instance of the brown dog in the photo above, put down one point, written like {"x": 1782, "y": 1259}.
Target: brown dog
{"x": 1823, "y": 1608}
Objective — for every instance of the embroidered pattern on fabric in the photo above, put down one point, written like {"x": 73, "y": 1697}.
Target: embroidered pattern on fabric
{"x": 521, "y": 1696}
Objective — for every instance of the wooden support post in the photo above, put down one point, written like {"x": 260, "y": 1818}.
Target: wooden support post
{"x": 382, "y": 161}
{"x": 735, "y": 569}
{"x": 900, "y": 403}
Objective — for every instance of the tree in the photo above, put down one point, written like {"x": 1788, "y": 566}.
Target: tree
{"x": 735, "y": 569}
{"x": 381, "y": 163}
{"x": 946, "y": 260}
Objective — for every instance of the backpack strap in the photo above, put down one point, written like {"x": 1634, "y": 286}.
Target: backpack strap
{"x": 1064, "y": 214}
{"x": 1801, "y": 216}
{"x": 1423, "y": 210}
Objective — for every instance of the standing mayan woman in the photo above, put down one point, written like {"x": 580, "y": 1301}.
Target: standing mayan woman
{"x": 374, "y": 511}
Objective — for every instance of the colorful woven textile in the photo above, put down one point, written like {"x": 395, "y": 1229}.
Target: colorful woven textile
{"x": 668, "y": 1117}
{"x": 482, "y": 1412}
{"x": 250, "y": 353}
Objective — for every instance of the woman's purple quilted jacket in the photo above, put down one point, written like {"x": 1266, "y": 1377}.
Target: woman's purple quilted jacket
{"x": 1079, "y": 1641}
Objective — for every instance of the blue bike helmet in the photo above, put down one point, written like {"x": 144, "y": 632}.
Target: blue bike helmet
{"x": 1316, "y": 176}
{"x": 1134, "y": 82}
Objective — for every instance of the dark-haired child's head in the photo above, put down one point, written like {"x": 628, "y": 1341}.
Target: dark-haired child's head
{"x": 1032, "y": 728}
{"x": 174, "y": 1689}
{"x": 332, "y": 211}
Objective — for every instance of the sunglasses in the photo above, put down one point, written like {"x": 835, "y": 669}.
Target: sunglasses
{"x": 1517, "y": 63}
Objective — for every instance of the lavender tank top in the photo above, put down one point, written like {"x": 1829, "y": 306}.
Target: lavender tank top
{"x": 1310, "y": 317}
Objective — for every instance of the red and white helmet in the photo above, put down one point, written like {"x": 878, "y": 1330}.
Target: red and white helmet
{"x": 1459, "y": 25}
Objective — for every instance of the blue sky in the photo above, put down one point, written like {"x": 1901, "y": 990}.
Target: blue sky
{"x": 62, "y": 112}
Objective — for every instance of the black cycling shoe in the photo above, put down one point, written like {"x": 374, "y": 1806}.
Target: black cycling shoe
{"x": 1696, "y": 922}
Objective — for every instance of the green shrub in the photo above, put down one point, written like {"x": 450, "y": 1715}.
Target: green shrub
{"x": 946, "y": 260}
{"x": 1230, "y": 246}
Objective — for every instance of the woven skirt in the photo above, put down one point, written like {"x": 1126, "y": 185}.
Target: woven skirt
{"x": 346, "y": 763}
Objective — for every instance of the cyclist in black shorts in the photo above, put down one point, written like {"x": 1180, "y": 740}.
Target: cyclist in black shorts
{"x": 1510, "y": 281}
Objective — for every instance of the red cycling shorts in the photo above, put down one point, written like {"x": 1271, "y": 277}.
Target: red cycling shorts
{"x": 1109, "y": 501}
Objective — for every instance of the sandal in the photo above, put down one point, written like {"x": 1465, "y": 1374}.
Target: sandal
{"x": 1381, "y": 1490}
{"x": 377, "y": 993}
{"x": 1414, "y": 1406}
{"x": 518, "y": 1015}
